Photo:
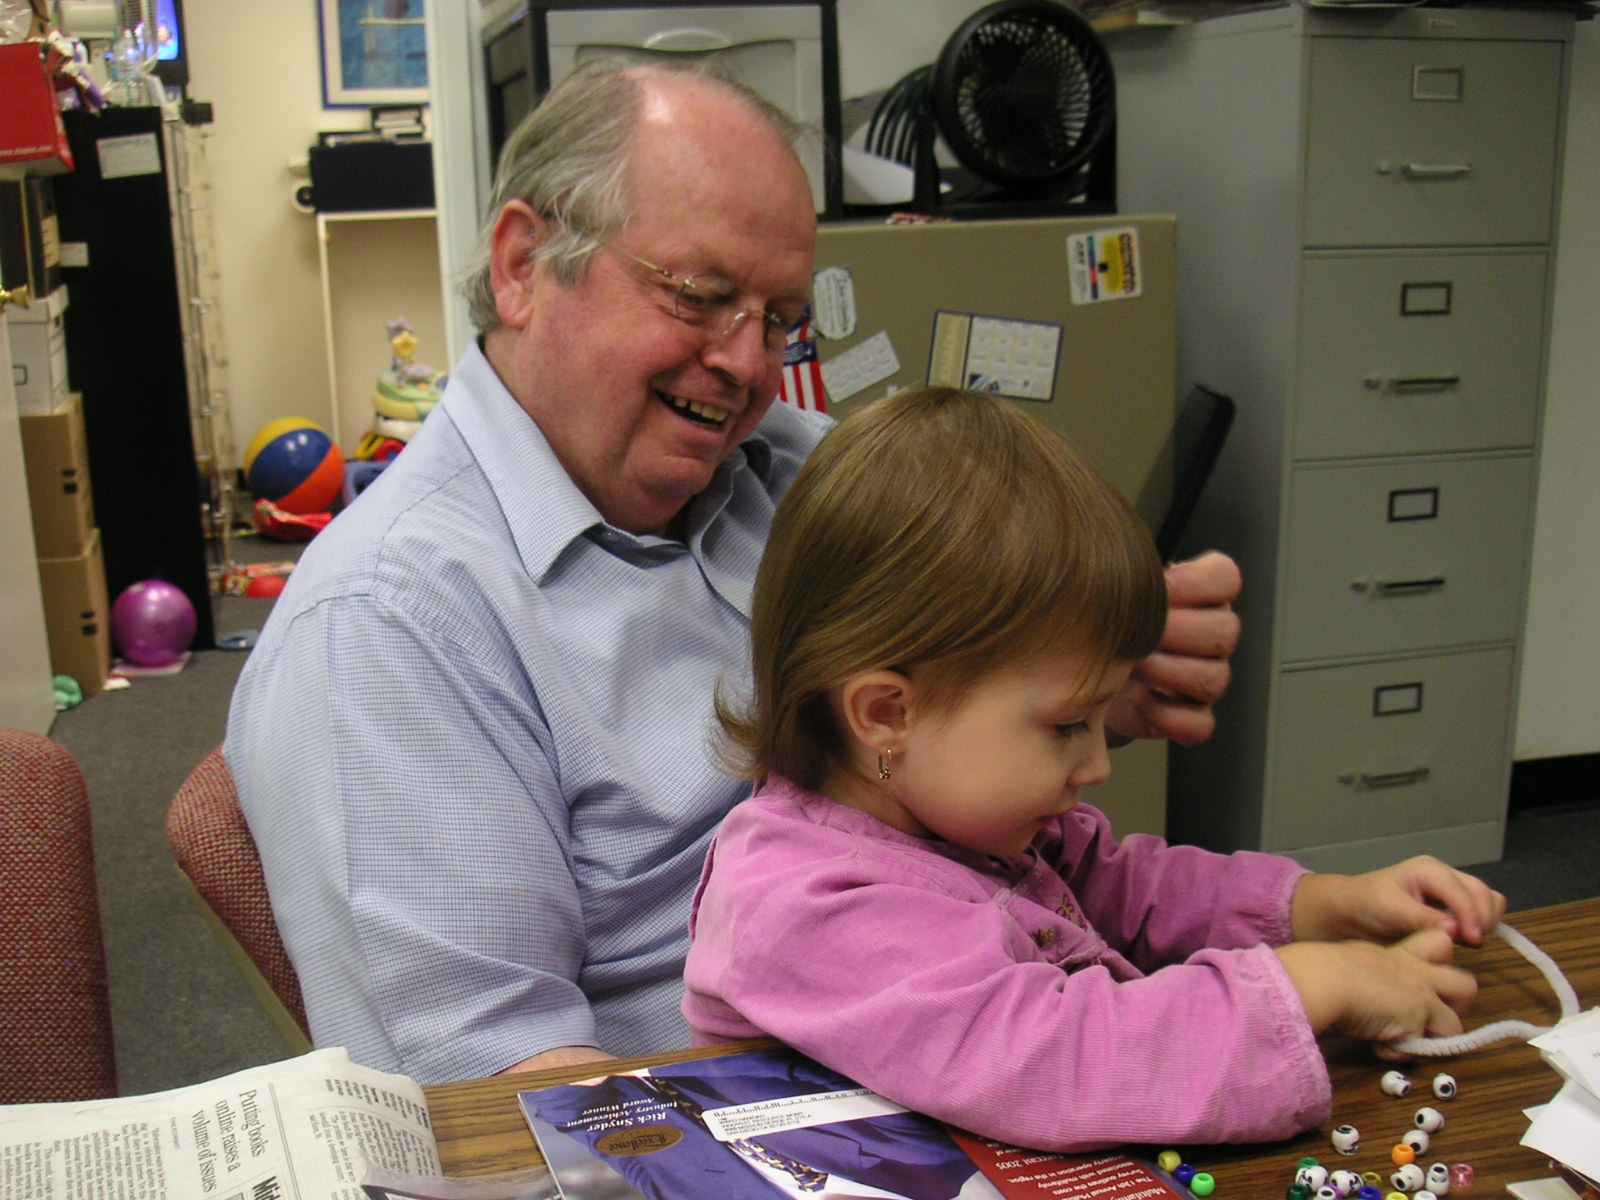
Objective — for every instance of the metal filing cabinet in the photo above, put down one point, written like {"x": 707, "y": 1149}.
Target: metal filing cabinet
{"x": 1367, "y": 205}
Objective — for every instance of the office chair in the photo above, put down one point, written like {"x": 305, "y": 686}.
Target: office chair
{"x": 55, "y": 1040}
{"x": 213, "y": 847}
{"x": 1197, "y": 437}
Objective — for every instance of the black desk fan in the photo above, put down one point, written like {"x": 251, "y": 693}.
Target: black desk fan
{"x": 1024, "y": 95}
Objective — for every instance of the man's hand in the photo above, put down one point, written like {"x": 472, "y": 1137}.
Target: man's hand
{"x": 562, "y": 1056}
{"x": 1171, "y": 693}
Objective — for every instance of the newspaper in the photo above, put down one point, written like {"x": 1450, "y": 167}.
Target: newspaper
{"x": 317, "y": 1127}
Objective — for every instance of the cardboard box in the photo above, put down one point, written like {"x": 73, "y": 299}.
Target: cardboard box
{"x": 77, "y": 615}
{"x": 30, "y": 235}
{"x": 39, "y": 352}
{"x": 31, "y": 133}
{"x": 55, "y": 453}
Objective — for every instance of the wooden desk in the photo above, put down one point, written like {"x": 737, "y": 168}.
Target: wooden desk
{"x": 481, "y": 1130}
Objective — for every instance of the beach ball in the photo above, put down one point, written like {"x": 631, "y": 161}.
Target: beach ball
{"x": 153, "y": 623}
{"x": 295, "y": 464}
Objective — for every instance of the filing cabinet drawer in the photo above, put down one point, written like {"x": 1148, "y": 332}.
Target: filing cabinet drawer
{"x": 1388, "y": 748}
{"x": 1409, "y": 556}
{"x": 1407, "y": 354}
{"x": 1430, "y": 141}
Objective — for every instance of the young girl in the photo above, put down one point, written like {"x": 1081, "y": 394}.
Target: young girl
{"x": 916, "y": 896}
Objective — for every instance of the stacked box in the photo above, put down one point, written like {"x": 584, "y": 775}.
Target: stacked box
{"x": 56, "y": 453}
{"x": 77, "y": 615}
{"x": 39, "y": 352}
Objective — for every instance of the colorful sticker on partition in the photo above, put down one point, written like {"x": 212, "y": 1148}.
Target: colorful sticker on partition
{"x": 1104, "y": 265}
{"x": 1008, "y": 357}
{"x": 833, "y": 302}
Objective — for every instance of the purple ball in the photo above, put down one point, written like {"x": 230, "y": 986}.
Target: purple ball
{"x": 153, "y": 623}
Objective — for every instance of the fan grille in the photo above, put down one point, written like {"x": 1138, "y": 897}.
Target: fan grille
{"x": 1026, "y": 95}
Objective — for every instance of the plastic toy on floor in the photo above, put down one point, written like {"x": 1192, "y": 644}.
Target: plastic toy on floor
{"x": 407, "y": 391}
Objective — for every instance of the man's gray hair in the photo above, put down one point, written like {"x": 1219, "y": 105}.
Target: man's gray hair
{"x": 568, "y": 160}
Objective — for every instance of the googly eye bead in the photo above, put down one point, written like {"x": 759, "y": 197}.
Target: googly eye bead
{"x": 1346, "y": 1183}
{"x": 1346, "y": 1140}
{"x": 1438, "y": 1180}
{"x": 1395, "y": 1083}
{"x": 1429, "y": 1120}
{"x": 1311, "y": 1178}
{"x": 1408, "y": 1178}
{"x": 1417, "y": 1139}
{"x": 1425, "y": 1194}
{"x": 1444, "y": 1086}
{"x": 1327, "y": 1192}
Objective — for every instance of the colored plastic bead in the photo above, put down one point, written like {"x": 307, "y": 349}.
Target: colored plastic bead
{"x": 1417, "y": 1139}
{"x": 1429, "y": 1120}
{"x": 1372, "y": 1179}
{"x": 1312, "y": 1177}
{"x": 1346, "y": 1139}
{"x": 1461, "y": 1176}
{"x": 1168, "y": 1160}
{"x": 1183, "y": 1173}
{"x": 1346, "y": 1183}
{"x": 1202, "y": 1184}
{"x": 1395, "y": 1083}
{"x": 1408, "y": 1178}
{"x": 1396, "y": 1196}
{"x": 1369, "y": 1193}
{"x": 1439, "y": 1179}
{"x": 1403, "y": 1154}
{"x": 1444, "y": 1086}
{"x": 1307, "y": 1161}
{"x": 1296, "y": 1192}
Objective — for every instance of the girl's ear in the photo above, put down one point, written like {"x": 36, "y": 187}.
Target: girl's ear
{"x": 874, "y": 709}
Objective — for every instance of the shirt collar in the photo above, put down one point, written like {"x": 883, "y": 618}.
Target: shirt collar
{"x": 545, "y": 510}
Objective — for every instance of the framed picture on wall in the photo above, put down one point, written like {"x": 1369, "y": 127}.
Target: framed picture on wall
{"x": 373, "y": 52}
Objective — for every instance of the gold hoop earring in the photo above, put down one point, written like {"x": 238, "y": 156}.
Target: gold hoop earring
{"x": 883, "y": 763}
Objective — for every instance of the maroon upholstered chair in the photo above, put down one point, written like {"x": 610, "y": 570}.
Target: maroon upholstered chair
{"x": 55, "y": 1038}
{"x": 208, "y": 835}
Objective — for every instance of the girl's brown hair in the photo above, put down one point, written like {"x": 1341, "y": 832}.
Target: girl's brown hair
{"x": 937, "y": 529}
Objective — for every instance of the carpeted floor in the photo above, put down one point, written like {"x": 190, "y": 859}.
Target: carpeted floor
{"x": 182, "y": 1011}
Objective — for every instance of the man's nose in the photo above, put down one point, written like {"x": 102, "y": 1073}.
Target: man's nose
{"x": 740, "y": 353}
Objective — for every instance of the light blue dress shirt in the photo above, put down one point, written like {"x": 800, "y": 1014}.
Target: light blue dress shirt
{"x": 474, "y": 744}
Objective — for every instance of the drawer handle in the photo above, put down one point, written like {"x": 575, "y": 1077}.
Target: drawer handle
{"x": 1386, "y": 779}
{"x": 1415, "y": 170}
{"x": 1398, "y": 587}
{"x": 1403, "y": 385}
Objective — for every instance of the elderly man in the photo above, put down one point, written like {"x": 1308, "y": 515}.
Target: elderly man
{"x": 473, "y": 742}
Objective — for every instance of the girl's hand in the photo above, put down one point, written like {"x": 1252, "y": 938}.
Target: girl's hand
{"x": 1171, "y": 693}
{"x": 1420, "y": 893}
{"x": 1381, "y": 994}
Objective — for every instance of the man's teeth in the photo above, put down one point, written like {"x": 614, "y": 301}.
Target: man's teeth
{"x": 704, "y": 411}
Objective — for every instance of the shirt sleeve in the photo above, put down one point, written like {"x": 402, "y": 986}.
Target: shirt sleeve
{"x": 936, "y": 1001}
{"x": 1158, "y": 904}
{"x": 397, "y": 775}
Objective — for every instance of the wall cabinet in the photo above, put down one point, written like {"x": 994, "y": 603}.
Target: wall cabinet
{"x": 1366, "y": 206}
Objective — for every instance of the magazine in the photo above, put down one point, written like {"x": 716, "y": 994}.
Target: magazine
{"x": 317, "y": 1127}
{"x": 772, "y": 1123}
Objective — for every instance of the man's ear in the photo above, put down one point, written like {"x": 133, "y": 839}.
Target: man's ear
{"x": 874, "y": 708}
{"x": 518, "y": 232}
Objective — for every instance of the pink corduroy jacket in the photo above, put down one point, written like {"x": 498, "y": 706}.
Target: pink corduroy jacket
{"x": 1093, "y": 993}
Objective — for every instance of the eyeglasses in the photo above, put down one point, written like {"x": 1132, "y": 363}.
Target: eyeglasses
{"x": 707, "y": 302}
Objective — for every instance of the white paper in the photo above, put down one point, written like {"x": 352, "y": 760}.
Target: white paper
{"x": 859, "y": 367}
{"x": 761, "y": 1118}
{"x": 1568, "y": 1130}
{"x": 134, "y": 154}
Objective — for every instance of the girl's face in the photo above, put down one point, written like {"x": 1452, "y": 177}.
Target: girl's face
{"x": 1014, "y": 752}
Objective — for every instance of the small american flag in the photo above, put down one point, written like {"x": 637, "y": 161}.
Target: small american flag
{"x": 802, "y": 371}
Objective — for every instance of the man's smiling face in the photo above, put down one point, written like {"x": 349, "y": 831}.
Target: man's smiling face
{"x": 639, "y": 405}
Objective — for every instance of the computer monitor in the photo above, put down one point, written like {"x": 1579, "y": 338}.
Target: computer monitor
{"x": 172, "y": 62}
